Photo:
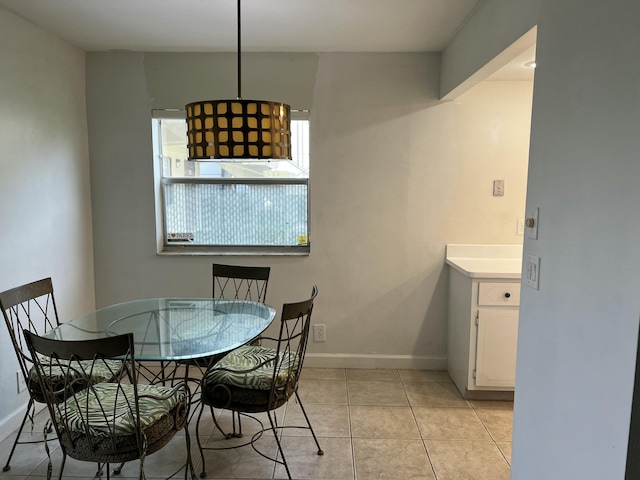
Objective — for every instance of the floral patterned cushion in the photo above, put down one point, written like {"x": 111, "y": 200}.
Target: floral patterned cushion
{"x": 110, "y": 407}
{"x": 100, "y": 371}
{"x": 238, "y": 368}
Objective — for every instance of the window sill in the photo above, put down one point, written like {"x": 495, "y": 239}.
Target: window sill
{"x": 174, "y": 250}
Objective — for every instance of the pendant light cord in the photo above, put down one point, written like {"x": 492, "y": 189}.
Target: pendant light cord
{"x": 239, "y": 58}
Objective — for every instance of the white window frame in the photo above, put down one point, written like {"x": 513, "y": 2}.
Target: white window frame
{"x": 164, "y": 248}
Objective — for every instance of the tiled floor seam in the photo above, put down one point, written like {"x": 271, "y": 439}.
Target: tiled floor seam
{"x": 433, "y": 469}
{"x": 495, "y": 442}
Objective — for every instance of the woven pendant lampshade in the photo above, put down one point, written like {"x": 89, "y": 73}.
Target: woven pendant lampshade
{"x": 238, "y": 129}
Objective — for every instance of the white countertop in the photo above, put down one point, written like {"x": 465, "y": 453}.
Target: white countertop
{"x": 486, "y": 261}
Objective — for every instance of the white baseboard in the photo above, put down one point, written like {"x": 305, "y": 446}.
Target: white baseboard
{"x": 347, "y": 360}
{"x": 11, "y": 422}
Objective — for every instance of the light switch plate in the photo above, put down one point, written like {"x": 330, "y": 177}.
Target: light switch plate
{"x": 532, "y": 271}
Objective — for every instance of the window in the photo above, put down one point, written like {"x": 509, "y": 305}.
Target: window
{"x": 230, "y": 207}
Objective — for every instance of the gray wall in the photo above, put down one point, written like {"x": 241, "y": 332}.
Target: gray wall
{"x": 489, "y": 36}
{"x": 44, "y": 185}
{"x": 578, "y": 333}
{"x": 395, "y": 175}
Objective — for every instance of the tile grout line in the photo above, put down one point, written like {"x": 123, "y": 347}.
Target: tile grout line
{"x": 495, "y": 442}
{"x": 422, "y": 439}
{"x": 353, "y": 449}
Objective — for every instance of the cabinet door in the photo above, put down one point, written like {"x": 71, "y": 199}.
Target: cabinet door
{"x": 496, "y": 347}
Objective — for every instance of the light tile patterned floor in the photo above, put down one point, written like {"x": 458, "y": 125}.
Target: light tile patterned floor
{"x": 371, "y": 424}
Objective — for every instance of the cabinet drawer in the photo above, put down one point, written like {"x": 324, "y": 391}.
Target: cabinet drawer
{"x": 499, "y": 294}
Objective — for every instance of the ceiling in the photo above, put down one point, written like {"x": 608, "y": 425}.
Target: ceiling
{"x": 267, "y": 25}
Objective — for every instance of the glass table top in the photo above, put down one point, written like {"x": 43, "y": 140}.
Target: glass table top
{"x": 174, "y": 328}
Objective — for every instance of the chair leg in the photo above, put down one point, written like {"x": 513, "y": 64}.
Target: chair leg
{"x": 101, "y": 469}
{"x": 188, "y": 468}
{"x": 320, "y": 451}
{"x": 233, "y": 434}
{"x": 203, "y": 473}
{"x": 236, "y": 433}
{"x": 7, "y": 467}
{"x": 274, "y": 429}
{"x": 64, "y": 460}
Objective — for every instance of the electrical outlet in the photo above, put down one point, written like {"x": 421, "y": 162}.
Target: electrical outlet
{"x": 498, "y": 188}
{"x": 521, "y": 226}
{"x": 22, "y": 386}
{"x": 319, "y": 333}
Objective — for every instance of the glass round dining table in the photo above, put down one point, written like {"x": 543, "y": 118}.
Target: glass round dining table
{"x": 174, "y": 329}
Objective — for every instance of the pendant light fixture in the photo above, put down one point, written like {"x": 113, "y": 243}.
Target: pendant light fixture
{"x": 238, "y": 129}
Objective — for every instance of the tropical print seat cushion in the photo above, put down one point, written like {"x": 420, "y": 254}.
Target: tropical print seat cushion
{"x": 62, "y": 372}
{"x": 240, "y": 368}
{"x": 106, "y": 409}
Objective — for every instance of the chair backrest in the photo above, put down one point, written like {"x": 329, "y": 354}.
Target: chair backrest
{"x": 29, "y": 307}
{"x": 292, "y": 346}
{"x": 100, "y": 412}
{"x": 67, "y": 372}
{"x": 234, "y": 282}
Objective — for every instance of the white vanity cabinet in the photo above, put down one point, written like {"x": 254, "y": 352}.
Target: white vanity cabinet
{"x": 484, "y": 298}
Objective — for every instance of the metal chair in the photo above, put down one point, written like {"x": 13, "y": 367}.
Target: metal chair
{"x": 240, "y": 282}
{"x": 234, "y": 282}
{"x": 107, "y": 422}
{"x": 259, "y": 378}
{"x": 33, "y": 307}
{"x": 230, "y": 282}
